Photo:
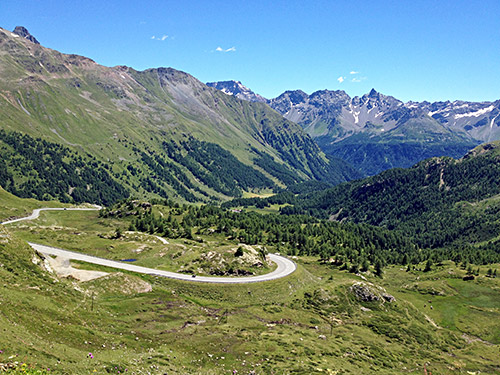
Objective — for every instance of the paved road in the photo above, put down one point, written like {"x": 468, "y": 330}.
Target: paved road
{"x": 36, "y": 213}
{"x": 284, "y": 266}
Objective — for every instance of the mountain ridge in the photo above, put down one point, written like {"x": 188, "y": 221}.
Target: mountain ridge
{"x": 335, "y": 120}
{"x": 23, "y": 32}
{"x": 123, "y": 116}
{"x": 236, "y": 88}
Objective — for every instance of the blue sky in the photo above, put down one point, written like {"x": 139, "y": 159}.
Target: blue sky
{"x": 413, "y": 50}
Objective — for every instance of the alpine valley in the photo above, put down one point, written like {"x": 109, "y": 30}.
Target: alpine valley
{"x": 154, "y": 224}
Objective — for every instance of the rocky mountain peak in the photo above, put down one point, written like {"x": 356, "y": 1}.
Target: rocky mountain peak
{"x": 375, "y": 98}
{"x": 294, "y": 96}
{"x": 236, "y": 88}
{"x": 329, "y": 95}
{"x": 373, "y": 94}
{"x": 23, "y": 32}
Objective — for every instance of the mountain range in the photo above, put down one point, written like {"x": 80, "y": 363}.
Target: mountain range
{"x": 161, "y": 132}
{"x": 155, "y": 132}
{"x": 375, "y": 132}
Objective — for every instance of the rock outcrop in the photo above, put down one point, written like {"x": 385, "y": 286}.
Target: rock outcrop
{"x": 366, "y": 292}
{"x": 24, "y": 33}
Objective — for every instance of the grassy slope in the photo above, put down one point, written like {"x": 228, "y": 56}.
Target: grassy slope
{"x": 107, "y": 111}
{"x": 12, "y": 206}
{"x": 308, "y": 322}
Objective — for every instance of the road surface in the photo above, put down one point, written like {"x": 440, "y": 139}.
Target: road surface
{"x": 36, "y": 213}
{"x": 284, "y": 265}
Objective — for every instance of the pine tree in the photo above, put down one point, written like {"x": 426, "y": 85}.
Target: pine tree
{"x": 354, "y": 268}
{"x": 405, "y": 260}
{"x": 239, "y": 252}
{"x": 428, "y": 265}
{"x": 378, "y": 268}
{"x": 365, "y": 265}
{"x": 188, "y": 233}
{"x": 132, "y": 227}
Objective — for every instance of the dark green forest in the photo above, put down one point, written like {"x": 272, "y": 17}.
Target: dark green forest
{"x": 437, "y": 210}
{"x": 437, "y": 202}
{"x": 280, "y": 171}
{"x": 372, "y": 155}
{"x": 35, "y": 168}
{"x": 216, "y": 167}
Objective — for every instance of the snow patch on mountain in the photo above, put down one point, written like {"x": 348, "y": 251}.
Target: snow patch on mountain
{"x": 237, "y": 89}
{"x": 493, "y": 121}
{"x": 477, "y": 113}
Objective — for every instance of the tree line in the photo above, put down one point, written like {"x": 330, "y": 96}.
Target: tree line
{"x": 35, "y": 168}
{"x": 351, "y": 246}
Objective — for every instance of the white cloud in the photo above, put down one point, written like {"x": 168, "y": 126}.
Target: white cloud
{"x": 354, "y": 72}
{"x": 357, "y": 80}
{"x": 341, "y": 79}
{"x": 220, "y": 49}
{"x": 160, "y": 38}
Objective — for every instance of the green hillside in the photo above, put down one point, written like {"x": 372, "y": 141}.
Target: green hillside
{"x": 12, "y": 206}
{"x": 374, "y": 154}
{"x": 39, "y": 169}
{"x": 395, "y": 274}
{"x": 439, "y": 202}
{"x": 321, "y": 319}
{"x": 124, "y": 118}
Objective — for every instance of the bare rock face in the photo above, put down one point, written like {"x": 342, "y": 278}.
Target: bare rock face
{"x": 23, "y": 32}
{"x": 365, "y": 292}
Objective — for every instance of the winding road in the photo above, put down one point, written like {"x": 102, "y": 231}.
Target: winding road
{"x": 36, "y": 213}
{"x": 284, "y": 265}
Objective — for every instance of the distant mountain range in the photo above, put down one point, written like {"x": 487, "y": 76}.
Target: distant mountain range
{"x": 375, "y": 132}
{"x": 158, "y": 132}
